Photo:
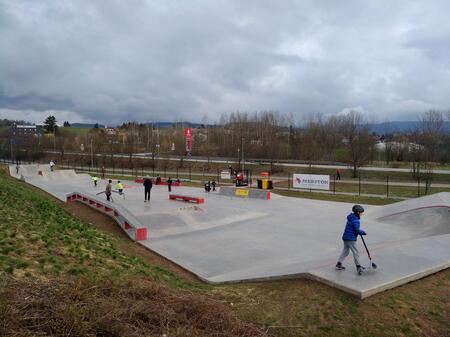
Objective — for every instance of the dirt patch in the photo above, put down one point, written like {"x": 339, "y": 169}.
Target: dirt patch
{"x": 106, "y": 224}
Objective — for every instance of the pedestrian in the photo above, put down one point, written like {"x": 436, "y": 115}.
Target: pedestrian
{"x": 147, "y": 188}
{"x": 169, "y": 184}
{"x": 17, "y": 168}
{"x": 108, "y": 190}
{"x": 338, "y": 174}
{"x": 351, "y": 232}
{"x": 103, "y": 172}
{"x": 94, "y": 180}
{"x": 119, "y": 187}
{"x": 52, "y": 165}
{"x": 213, "y": 185}
{"x": 158, "y": 180}
{"x": 207, "y": 186}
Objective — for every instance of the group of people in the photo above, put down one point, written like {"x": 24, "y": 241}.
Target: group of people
{"x": 148, "y": 184}
{"x": 209, "y": 185}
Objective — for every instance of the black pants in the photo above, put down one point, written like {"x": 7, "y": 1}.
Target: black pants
{"x": 170, "y": 187}
{"x": 147, "y": 194}
{"x": 108, "y": 197}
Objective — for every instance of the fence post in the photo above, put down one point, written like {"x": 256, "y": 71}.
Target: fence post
{"x": 334, "y": 183}
{"x": 359, "y": 185}
{"x": 387, "y": 187}
{"x": 418, "y": 186}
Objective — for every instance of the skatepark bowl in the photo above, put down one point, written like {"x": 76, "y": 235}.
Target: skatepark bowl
{"x": 231, "y": 238}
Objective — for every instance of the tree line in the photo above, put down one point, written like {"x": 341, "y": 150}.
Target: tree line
{"x": 343, "y": 138}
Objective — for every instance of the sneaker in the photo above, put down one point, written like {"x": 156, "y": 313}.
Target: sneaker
{"x": 360, "y": 269}
{"x": 339, "y": 266}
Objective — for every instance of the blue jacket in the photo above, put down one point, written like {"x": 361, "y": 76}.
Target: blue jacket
{"x": 352, "y": 230}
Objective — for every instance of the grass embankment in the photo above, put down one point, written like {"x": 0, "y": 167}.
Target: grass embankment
{"x": 61, "y": 276}
{"x": 123, "y": 296}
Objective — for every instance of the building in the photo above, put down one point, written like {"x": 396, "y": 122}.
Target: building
{"x": 25, "y": 130}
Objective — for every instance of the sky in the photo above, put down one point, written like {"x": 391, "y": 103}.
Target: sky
{"x": 111, "y": 61}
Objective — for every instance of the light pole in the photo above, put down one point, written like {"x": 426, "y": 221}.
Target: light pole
{"x": 92, "y": 156}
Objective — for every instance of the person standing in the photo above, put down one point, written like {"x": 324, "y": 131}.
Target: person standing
{"x": 52, "y": 165}
{"x": 338, "y": 174}
{"x": 147, "y": 188}
{"x": 351, "y": 232}
{"x": 103, "y": 172}
{"x": 169, "y": 184}
{"x": 17, "y": 168}
{"x": 94, "y": 180}
{"x": 213, "y": 184}
{"x": 108, "y": 190}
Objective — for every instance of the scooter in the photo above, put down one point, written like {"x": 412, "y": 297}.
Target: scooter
{"x": 372, "y": 265}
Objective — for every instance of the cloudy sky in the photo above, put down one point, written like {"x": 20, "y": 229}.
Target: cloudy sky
{"x": 111, "y": 61}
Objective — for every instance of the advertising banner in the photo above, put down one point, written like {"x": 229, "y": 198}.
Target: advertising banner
{"x": 311, "y": 181}
{"x": 241, "y": 193}
{"x": 188, "y": 137}
{"x": 225, "y": 174}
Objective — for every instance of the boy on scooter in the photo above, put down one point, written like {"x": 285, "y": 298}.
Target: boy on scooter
{"x": 351, "y": 232}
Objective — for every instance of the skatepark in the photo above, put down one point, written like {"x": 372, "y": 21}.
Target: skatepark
{"x": 234, "y": 238}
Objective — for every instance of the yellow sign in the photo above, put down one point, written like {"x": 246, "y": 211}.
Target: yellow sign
{"x": 241, "y": 192}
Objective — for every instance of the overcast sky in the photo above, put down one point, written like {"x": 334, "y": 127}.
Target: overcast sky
{"x": 112, "y": 61}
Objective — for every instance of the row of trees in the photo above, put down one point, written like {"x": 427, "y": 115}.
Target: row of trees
{"x": 263, "y": 135}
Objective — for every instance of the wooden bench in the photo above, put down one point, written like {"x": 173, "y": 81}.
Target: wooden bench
{"x": 195, "y": 200}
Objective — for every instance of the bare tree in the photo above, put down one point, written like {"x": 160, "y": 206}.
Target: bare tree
{"x": 358, "y": 141}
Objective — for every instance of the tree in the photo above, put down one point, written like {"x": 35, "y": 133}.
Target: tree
{"x": 50, "y": 124}
{"x": 66, "y": 124}
{"x": 96, "y": 126}
{"x": 359, "y": 142}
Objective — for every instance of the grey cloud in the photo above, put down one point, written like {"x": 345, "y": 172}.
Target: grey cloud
{"x": 148, "y": 60}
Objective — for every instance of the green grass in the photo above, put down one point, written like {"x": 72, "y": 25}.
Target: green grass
{"x": 38, "y": 238}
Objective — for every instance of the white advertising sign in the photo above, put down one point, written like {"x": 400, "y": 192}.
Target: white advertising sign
{"x": 311, "y": 181}
{"x": 225, "y": 174}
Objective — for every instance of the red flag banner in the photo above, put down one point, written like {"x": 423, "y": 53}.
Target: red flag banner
{"x": 188, "y": 136}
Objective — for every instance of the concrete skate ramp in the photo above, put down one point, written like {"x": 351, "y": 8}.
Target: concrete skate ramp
{"x": 422, "y": 222}
{"x": 229, "y": 239}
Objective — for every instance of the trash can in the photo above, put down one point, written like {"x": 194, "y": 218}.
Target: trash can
{"x": 270, "y": 185}
{"x": 265, "y": 184}
{"x": 259, "y": 184}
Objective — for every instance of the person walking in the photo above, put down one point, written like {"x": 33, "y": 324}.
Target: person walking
{"x": 351, "y": 232}
{"x": 213, "y": 184}
{"x": 169, "y": 184}
{"x": 94, "y": 180}
{"x": 17, "y": 168}
{"x": 108, "y": 190}
{"x": 52, "y": 165}
{"x": 338, "y": 174}
{"x": 103, "y": 172}
{"x": 119, "y": 187}
{"x": 147, "y": 188}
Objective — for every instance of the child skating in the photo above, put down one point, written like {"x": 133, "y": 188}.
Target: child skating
{"x": 351, "y": 232}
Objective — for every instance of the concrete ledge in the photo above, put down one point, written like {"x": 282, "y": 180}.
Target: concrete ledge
{"x": 242, "y": 192}
{"x": 130, "y": 225}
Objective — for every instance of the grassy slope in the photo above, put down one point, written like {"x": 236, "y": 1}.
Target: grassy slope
{"x": 59, "y": 275}
{"x": 41, "y": 243}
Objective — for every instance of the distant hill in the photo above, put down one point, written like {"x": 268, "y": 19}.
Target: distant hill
{"x": 389, "y": 127}
{"x": 85, "y": 125}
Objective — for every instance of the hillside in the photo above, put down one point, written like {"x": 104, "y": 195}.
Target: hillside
{"x": 61, "y": 276}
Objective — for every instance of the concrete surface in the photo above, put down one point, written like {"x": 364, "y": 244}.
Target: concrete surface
{"x": 231, "y": 239}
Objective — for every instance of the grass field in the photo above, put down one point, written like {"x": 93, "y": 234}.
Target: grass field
{"x": 61, "y": 275}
